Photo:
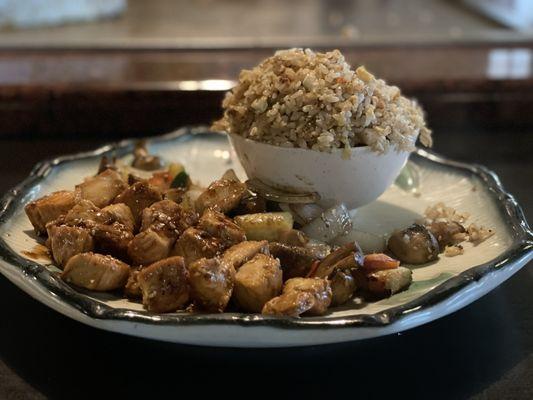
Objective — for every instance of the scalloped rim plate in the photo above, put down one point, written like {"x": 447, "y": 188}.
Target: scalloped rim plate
{"x": 438, "y": 290}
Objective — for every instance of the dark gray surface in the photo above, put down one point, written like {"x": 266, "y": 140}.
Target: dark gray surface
{"x": 483, "y": 351}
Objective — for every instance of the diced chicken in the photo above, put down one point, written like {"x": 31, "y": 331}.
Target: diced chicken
{"x": 96, "y": 272}
{"x": 149, "y": 246}
{"x": 222, "y": 195}
{"x": 211, "y": 283}
{"x": 120, "y": 212}
{"x": 111, "y": 239}
{"x": 102, "y": 188}
{"x": 295, "y": 261}
{"x": 132, "y": 288}
{"x": 243, "y": 252}
{"x": 222, "y": 227}
{"x": 301, "y": 295}
{"x": 48, "y": 208}
{"x": 137, "y": 197}
{"x": 86, "y": 214}
{"x": 195, "y": 244}
{"x": 168, "y": 217}
{"x": 67, "y": 241}
{"x": 164, "y": 285}
{"x": 256, "y": 282}
{"x": 385, "y": 282}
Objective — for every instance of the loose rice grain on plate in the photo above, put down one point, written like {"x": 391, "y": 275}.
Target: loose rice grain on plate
{"x": 299, "y": 98}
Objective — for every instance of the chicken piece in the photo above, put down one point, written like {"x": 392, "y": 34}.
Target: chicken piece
{"x": 132, "y": 288}
{"x": 295, "y": 261}
{"x": 195, "y": 244}
{"x": 168, "y": 217}
{"x": 137, "y": 197}
{"x": 414, "y": 245}
{"x": 67, "y": 241}
{"x": 222, "y": 227}
{"x": 256, "y": 282}
{"x": 149, "y": 246}
{"x": 222, "y": 195}
{"x": 102, "y": 188}
{"x": 86, "y": 214}
{"x": 385, "y": 282}
{"x": 318, "y": 287}
{"x": 48, "y": 208}
{"x": 96, "y": 272}
{"x": 447, "y": 233}
{"x": 112, "y": 239}
{"x": 292, "y": 304}
{"x": 120, "y": 212}
{"x": 301, "y": 295}
{"x": 164, "y": 285}
{"x": 211, "y": 282}
{"x": 243, "y": 252}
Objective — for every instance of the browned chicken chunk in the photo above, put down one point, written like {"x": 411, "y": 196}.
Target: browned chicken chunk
{"x": 211, "y": 283}
{"x": 137, "y": 197}
{"x": 195, "y": 244}
{"x": 169, "y": 217}
{"x": 243, "y": 252}
{"x": 102, "y": 188}
{"x": 111, "y": 239}
{"x": 222, "y": 227}
{"x": 48, "y": 208}
{"x": 86, "y": 214}
{"x": 120, "y": 212}
{"x": 96, "y": 272}
{"x": 164, "y": 285}
{"x": 316, "y": 302}
{"x": 149, "y": 246}
{"x": 67, "y": 241}
{"x": 256, "y": 282}
{"x": 132, "y": 288}
{"x": 222, "y": 195}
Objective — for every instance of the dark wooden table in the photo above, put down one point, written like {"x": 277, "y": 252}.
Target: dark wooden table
{"x": 484, "y": 351}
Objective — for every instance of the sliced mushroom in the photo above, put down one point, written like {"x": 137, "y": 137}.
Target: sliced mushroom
{"x": 102, "y": 188}
{"x": 414, "y": 245}
{"x": 96, "y": 272}
{"x": 211, "y": 282}
{"x": 295, "y": 261}
{"x": 256, "y": 282}
{"x": 222, "y": 195}
{"x": 342, "y": 285}
{"x": 144, "y": 160}
{"x": 164, "y": 285}
{"x": 48, "y": 208}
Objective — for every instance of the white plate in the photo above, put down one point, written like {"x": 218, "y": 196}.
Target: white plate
{"x": 439, "y": 288}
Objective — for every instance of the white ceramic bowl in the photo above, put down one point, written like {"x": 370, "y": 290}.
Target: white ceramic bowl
{"x": 356, "y": 181}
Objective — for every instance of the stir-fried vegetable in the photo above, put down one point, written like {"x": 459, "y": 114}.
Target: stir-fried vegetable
{"x": 265, "y": 226}
{"x": 332, "y": 223}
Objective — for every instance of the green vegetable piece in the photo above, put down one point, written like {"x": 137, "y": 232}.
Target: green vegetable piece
{"x": 181, "y": 180}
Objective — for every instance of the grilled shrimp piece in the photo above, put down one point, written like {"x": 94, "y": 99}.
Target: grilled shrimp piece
{"x": 222, "y": 195}
{"x": 256, "y": 282}
{"x": 167, "y": 216}
{"x": 384, "y": 283}
{"x": 67, "y": 241}
{"x": 120, "y": 212}
{"x": 243, "y": 252}
{"x": 301, "y": 295}
{"x": 211, "y": 283}
{"x": 96, "y": 272}
{"x": 195, "y": 244}
{"x": 111, "y": 239}
{"x": 102, "y": 188}
{"x": 137, "y": 197}
{"x": 222, "y": 227}
{"x": 149, "y": 246}
{"x": 48, "y": 208}
{"x": 164, "y": 285}
{"x": 295, "y": 261}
